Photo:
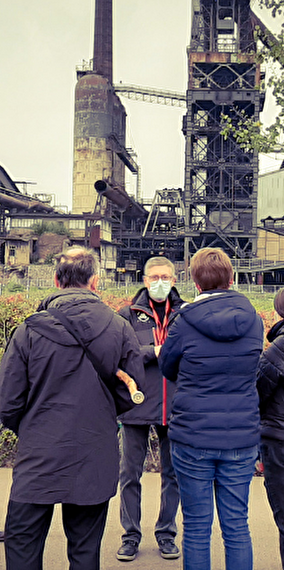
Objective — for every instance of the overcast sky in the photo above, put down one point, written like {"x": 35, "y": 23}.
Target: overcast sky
{"x": 41, "y": 42}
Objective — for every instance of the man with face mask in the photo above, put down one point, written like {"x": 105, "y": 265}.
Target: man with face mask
{"x": 151, "y": 312}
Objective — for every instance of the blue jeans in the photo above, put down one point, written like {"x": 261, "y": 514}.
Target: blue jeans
{"x": 134, "y": 449}
{"x": 201, "y": 473}
{"x": 272, "y": 453}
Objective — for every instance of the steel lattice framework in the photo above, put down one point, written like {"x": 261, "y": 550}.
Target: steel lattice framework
{"x": 220, "y": 195}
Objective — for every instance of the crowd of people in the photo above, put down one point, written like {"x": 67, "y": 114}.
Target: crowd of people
{"x": 214, "y": 398}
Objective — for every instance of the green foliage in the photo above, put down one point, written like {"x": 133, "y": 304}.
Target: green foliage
{"x": 14, "y": 287}
{"x": 49, "y": 259}
{"x": 8, "y": 447}
{"x": 261, "y": 301}
{"x": 13, "y": 311}
{"x": 51, "y": 227}
{"x": 250, "y": 134}
{"x": 276, "y": 6}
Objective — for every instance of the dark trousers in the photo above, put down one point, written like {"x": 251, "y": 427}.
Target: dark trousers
{"x": 134, "y": 449}
{"x": 27, "y": 526}
{"x": 272, "y": 451}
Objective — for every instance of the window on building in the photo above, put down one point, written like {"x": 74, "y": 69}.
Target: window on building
{"x": 76, "y": 224}
{"x": 24, "y": 222}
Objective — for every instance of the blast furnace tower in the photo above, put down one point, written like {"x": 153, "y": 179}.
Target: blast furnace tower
{"x": 220, "y": 194}
{"x": 99, "y": 122}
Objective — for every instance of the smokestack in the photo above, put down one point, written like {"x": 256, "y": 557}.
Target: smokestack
{"x": 102, "y": 60}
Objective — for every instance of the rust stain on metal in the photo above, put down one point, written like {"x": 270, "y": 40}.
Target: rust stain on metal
{"x": 214, "y": 57}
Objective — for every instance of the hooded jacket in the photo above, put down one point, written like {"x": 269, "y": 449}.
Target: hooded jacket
{"x": 140, "y": 316}
{"x": 51, "y": 396}
{"x": 212, "y": 352}
{"x": 270, "y": 384}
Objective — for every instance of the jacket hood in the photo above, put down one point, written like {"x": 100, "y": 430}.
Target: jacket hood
{"x": 75, "y": 304}
{"x": 220, "y": 315}
{"x": 275, "y": 331}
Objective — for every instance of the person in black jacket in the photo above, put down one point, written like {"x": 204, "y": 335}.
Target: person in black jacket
{"x": 63, "y": 410}
{"x": 270, "y": 386}
{"x": 151, "y": 313}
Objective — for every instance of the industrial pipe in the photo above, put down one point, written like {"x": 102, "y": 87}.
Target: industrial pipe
{"x": 10, "y": 201}
{"x": 115, "y": 194}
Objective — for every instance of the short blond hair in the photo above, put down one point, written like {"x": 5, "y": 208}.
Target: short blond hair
{"x": 211, "y": 268}
{"x": 154, "y": 261}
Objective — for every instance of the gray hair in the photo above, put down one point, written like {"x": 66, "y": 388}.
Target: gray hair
{"x": 75, "y": 266}
{"x": 154, "y": 261}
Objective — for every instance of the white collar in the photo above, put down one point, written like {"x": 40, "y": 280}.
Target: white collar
{"x": 205, "y": 296}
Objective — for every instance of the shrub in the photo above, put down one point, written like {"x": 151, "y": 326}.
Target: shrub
{"x": 13, "y": 311}
{"x": 51, "y": 227}
{"x": 14, "y": 287}
{"x": 8, "y": 447}
{"x": 49, "y": 259}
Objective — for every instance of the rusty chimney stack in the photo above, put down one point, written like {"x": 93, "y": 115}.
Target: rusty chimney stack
{"x": 102, "y": 60}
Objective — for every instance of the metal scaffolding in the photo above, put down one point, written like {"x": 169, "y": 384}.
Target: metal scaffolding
{"x": 151, "y": 95}
{"x": 220, "y": 195}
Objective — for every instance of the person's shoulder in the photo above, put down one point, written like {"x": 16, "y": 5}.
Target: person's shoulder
{"x": 175, "y": 299}
{"x": 277, "y": 342}
{"x": 125, "y": 310}
{"x": 17, "y": 335}
{"x": 139, "y": 301}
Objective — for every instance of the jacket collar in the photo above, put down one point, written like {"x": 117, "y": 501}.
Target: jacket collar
{"x": 141, "y": 299}
{"x": 275, "y": 331}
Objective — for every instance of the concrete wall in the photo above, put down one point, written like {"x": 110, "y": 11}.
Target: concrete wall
{"x": 270, "y": 200}
{"x": 50, "y": 244}
{"x": 270, "y": 245}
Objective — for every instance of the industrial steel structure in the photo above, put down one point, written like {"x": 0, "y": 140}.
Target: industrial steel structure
{"x": 218, "y": 205}
{"x": 219, "y": 200}
{"x": 224, "y": 78}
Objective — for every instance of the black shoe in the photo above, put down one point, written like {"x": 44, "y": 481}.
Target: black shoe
{"x": 1, "y": 536}
{"x": 127, "y": 551}
{"x": 168, "y": 549}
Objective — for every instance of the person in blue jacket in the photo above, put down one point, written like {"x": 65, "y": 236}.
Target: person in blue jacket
{"x": 212, "y": 353}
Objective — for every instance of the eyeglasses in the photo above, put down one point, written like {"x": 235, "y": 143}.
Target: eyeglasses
{"x": 164, "y": 278}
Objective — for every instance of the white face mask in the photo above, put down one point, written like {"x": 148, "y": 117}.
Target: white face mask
{"x": 159, "y": 290}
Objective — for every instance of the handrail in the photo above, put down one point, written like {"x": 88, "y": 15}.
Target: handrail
{"x": 254, "y": 264}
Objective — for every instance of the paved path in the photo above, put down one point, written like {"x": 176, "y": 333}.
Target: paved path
{"x": 263, "y": 530}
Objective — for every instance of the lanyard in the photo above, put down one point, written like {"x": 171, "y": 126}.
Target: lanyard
{"x": 161, "y": 329}
{"x": 160, "y": 335}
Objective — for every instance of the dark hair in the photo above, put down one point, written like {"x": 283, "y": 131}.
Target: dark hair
{"x": 211, "y": 268}
{"x": 279, "y": 302}
{"x": 75, "y": 266}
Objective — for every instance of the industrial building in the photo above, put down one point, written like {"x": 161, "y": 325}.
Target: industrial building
{"x": 270, "y": 200}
